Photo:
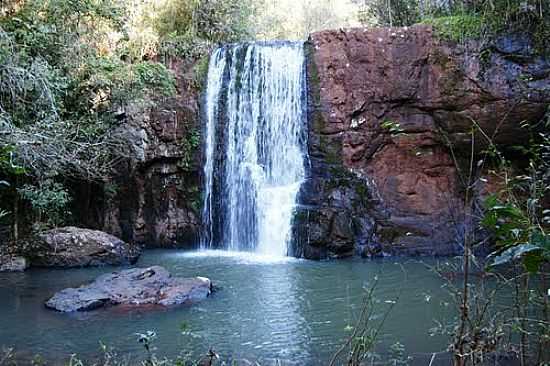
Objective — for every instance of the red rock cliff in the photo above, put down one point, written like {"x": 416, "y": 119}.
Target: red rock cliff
{"x": 372, "y": 190}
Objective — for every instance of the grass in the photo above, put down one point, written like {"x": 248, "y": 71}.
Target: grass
{"x": 457, "y": 28}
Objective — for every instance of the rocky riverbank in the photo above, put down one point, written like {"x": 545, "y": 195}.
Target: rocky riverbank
{"x": 69, "y": 247}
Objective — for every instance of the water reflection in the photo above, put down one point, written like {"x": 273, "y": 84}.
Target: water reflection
{"x": 291, "y": 310}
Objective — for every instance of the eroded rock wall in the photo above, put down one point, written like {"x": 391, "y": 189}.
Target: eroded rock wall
{"x": 154, "y": 198}
{"x": 385, "y": 105}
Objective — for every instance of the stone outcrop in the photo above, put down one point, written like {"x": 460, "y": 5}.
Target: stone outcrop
{"x": 12, "y": 263}
{"x": 75, "y": 247}
{"x": 154, "y": 197}
{"x": 389, "y": 108}
{"x": 137, "y": 286}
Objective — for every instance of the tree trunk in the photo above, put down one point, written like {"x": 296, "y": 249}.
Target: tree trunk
{"x": 16, "y": 212}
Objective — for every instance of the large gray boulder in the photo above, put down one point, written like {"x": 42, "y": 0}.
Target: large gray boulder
{"x": 11, "y": 263}
{"x": 138, "y": 286}
{"x": 76, "y": 247}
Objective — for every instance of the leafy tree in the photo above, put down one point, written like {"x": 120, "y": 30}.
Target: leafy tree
{"x": 393, "y": 13}
{"x": 70, "y": 68}
{"x": 288, "y": 19}
{"x": 462, "y": 19}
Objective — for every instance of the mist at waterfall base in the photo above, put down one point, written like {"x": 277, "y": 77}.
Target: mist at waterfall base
{"x": 254, "y": 146}
{"x": 291, "y": 310}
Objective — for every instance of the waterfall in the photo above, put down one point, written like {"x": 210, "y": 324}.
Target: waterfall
{"x": 255, "y": 146}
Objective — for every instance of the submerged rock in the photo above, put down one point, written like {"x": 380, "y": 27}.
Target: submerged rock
{"x": 9, "y": 263}
{"x": 138, "y": 286}
{"x": 76, "y": 247}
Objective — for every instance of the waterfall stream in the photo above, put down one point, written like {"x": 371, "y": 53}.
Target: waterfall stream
{"x": 255, "y": 146}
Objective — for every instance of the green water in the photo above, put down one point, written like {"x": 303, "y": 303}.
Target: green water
{"x": 294, "y": 312}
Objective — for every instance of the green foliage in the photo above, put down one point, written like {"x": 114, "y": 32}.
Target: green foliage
{"x": 222, "y": 21}
{"x": 201, "y": 73}
{"x": 393, "y": 13}
{"x": 7, "y": 165}
{"x": 533, "y": 251}
{"x": 28, "y": 86}
{"x": 110, "y": 190}
{"x": 464, "y": 19}
{"x": 290, "y": 19}
{"x": 57, "y": 91}
{"x": 508, "y": 223}
{"x": 48, "y": 29}
{"x": 188, "y": 146}
{"x": 187, "y": 46}
{"x": 457, "y": 28}
{"x": 156, "y": 78}
{"x": 97, "y": 86}
{"x": 392, "y": 127}
{"x": 516, "y": 216}
{"x": 189, "y": 28}
{"x": 69, "y": 69}
{"x": 49, "y": 201}
{"x": 524, "y": 16}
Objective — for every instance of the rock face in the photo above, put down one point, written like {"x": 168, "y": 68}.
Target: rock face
{"x": 386, "y": 106}
{"x": 10, "y": 263}
{"x": 138, "y": 286}
{"x": 154, "y": 198}
{"x": 75, "y": 247}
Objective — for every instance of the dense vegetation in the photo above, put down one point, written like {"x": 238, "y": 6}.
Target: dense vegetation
{"x": 70, "y": 69}
{"x": 460, "y": 20}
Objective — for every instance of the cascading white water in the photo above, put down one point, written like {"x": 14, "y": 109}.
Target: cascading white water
{"x": 255, "y": 146}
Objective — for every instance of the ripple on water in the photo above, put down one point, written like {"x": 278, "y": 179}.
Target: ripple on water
{"x": 265, "y": 308}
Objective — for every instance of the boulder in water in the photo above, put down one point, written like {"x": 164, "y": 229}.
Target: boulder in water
{"x": 10, "y": 263}
{"x": 76, "y": 247}
{"x": 137, "y": 286}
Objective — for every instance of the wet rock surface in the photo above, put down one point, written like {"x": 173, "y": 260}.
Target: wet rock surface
{"x": 385, "y": 107}
{"x": 137, "y": 286}
{"x": 76, "y": 247}
{"x": 153, "y": 198}
{"x": 11, "y": 263}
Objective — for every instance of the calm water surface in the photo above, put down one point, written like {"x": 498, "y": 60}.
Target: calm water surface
{"x": 294, "y": 311}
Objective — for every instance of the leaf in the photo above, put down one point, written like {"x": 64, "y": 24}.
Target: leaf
{"x": 541, "y": 240}
{"x": 532, "y": 261}
{"x": 491, "y": 201}
{"x": 512, "y": 254}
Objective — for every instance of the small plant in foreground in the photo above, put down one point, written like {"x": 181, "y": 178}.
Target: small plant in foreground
{"x": 359, "y": 348}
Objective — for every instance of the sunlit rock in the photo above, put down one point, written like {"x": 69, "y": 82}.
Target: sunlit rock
{"x": 76, "y": 247}
{"x": 137, "y": 286}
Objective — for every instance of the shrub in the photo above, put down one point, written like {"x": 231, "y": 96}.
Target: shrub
{"x": 49, "y": 201}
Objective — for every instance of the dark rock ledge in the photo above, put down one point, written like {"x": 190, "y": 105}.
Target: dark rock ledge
{"x": 137, "y": 286}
